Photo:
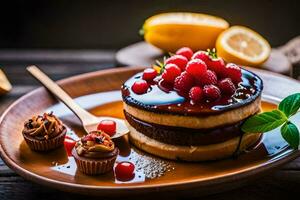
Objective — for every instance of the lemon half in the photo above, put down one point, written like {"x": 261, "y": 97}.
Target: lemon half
{"x": 5, "y": 85}
{"x": 243, "y": 46}
{"x": 171, "y": 31}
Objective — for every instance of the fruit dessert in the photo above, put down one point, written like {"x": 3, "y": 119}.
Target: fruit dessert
{"x": 44, "y": 132}
{"x": 95, "y": 153}
{"x": 192, "y": 108}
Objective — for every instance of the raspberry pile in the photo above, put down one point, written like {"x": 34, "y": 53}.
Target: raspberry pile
{"x": 200, "y": 76}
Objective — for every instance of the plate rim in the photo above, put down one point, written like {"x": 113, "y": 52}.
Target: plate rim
{"x": 67, "y": 186}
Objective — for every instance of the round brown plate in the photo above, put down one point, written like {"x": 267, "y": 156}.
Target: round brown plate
{"x": 99, "y": 93}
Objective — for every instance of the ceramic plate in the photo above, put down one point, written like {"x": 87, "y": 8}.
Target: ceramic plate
{"x": 99, "y": 93}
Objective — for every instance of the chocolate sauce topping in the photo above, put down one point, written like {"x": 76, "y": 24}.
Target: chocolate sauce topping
{"x": 161, "y": 100}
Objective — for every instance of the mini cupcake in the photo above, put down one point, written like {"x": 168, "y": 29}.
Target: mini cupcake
{"x": 44, "y": 132}
{"x": 95, "y": 153}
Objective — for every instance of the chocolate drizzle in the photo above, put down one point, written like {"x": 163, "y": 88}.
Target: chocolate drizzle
{"x": 162, "y": 101}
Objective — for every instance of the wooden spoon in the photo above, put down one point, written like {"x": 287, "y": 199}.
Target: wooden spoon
{"x": 89, "y": 121}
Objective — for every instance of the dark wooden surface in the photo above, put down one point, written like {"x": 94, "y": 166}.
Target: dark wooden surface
{"x": 280, "y": 184}
{"x": 115, "y": 23}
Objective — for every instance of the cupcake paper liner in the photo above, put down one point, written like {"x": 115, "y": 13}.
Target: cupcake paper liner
{"x": 95, "y": 166}
{"x": 45, "y": 145}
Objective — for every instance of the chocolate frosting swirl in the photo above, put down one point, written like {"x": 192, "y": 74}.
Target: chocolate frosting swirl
{"x": 43, "y": 127}
{"x": 96, "y": 144}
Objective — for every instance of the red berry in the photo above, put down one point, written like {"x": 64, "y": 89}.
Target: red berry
{"x": 140, "y": 87}
{"x": 196, "y": 68}
{"x": 69, "y": 144}
{"x": 88, "y": 138}
{"x": 68, "y": 137}
{"x": 178, "y": 60}
{"x": 211, "y": 92}
{"x": 184, "y": 82}
{"x": 165, "y": 86}
{"x": 186, "y": 52}
{"x": 226, "y": 86}
{"x": 209, "y": 78}
{"x": 171, "y": 71}
{"x": 234, "y": 72}
{"x": 124, "y": 171}
{"x": 202, "y": 55}
{"x": 107, "y": 126}
{"x": 149, "y": 74}
{"x": 196, "y": 94}
{"x": 217, "y": 65}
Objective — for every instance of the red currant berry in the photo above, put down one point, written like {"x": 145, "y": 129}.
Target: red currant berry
{"x": 202, "y": 55}
{"x": 184, "y": 83}
{"x": 209, "y": 78}
{"x": 196, "y": 68}
{"x": 196, "y": 94}
{"x": 140, "y": 87}
{"x": 69, "y": 144}
{"x": 226, "y": 86}
{"x": 107, "y": 126}
{"x": 186, "y": 52}
{"x": 149, "y": 74}
{"x": 217, "y": 65}
{"x": 171, "y": 71}
{"x": 233, "y": 72}
{"x": 211, "y": 92}
{"x": 178, "y": 60}
{"x": 124, "y": 171}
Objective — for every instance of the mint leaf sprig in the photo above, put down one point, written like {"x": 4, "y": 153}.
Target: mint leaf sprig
{"x": 268, "y": 121}
{"x": 212, "y": 53}
{"x": 161, "y": 65}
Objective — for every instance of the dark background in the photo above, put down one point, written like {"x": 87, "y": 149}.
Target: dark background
{"x": 112, "y": 24}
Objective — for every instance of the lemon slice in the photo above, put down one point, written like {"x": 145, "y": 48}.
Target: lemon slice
{"x": 5, "y": 85}
{"x": 243, "y": 46}
{"x": 171, "y": 31}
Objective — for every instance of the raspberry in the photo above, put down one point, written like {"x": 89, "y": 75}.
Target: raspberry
{"x": 226, "y": 86}
{"x": 196, "y": 68}
{"x": 202, "y": 55}
{"x": 184, "y": 82}
{"x": 233, "y": 72}
{"x": 149, "y": 74}
{"x": 140, "y": 87}
{"x": 196, "y": 94}
{"x": 209, "y": 78}
{"x": 178, "y": 60}
{"x": 171, "y": 71}
{"x": 211, "y": 92}
{"x": 217, "y": 65}
{"x": 186, "y": 52}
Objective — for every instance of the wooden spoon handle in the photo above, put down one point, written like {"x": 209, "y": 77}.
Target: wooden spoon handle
{"x": 57, "y": 91}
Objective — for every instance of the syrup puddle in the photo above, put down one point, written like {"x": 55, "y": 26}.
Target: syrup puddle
{"x": 69, "y": 168}
{"x": 148, "y": 167}
{"x": 87, "y": 102}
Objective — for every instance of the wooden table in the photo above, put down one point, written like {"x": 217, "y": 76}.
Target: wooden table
{"x": 280, "y": 184}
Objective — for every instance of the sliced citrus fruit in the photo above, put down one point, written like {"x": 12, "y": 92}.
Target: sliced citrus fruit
{"x": 5, "y": 86}
{"x": 243, "y": 46}
{"x": 171, "y": 31}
